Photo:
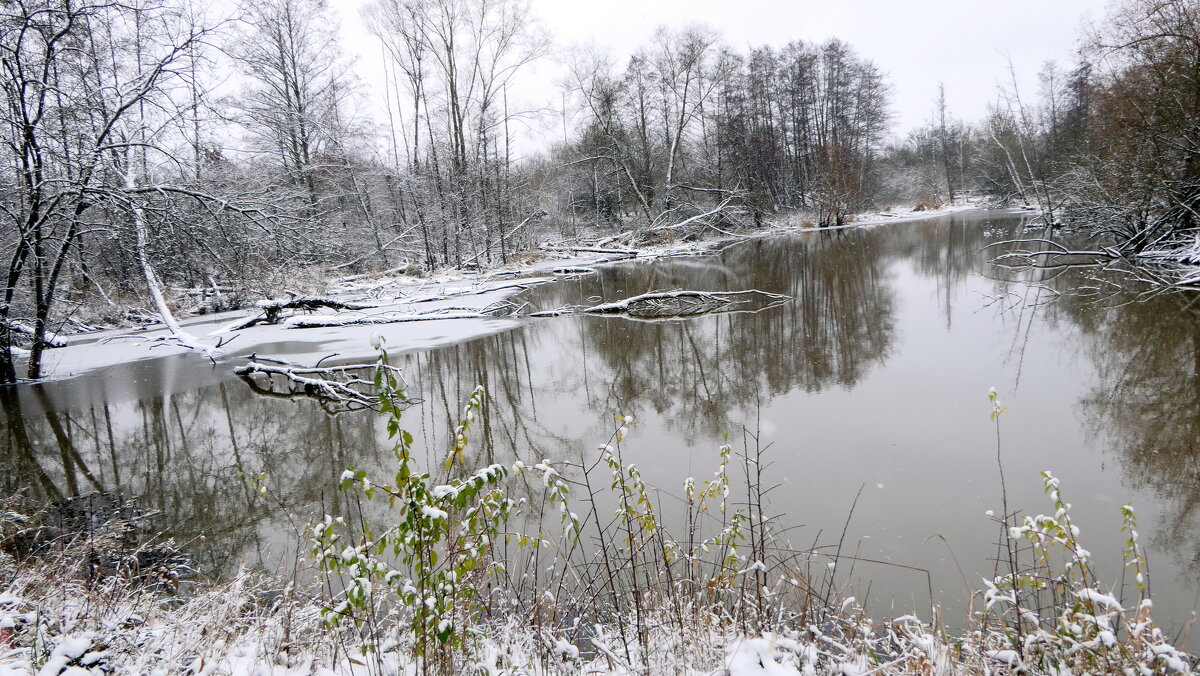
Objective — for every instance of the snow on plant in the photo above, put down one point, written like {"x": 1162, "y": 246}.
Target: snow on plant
{"x": 435, "y": 559}
{"x": 412, "y": 598}
{"x": 1083, "y": 628}
{"x": 731, "y": 532}
{"x": 441, "y": 546}
{"x": 437, "y": 553}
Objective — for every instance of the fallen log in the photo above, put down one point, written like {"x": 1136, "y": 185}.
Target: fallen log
{"x": 589, "y": 249}
{"x": 23, "y": 329}
{"x": 614, "y": 238}
{"x": 502, "y": 309}
{"x": 339, "y": 389}
{"x": 685, "y": 303}
{"x": 271, "y": 311}
{"x": 574, "y": 271}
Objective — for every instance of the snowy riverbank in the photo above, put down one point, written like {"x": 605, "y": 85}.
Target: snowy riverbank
{"x": 410, "y": 312}
{"x": 61, "y": 613}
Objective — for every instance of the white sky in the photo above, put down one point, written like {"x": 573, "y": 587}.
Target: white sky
{"x": 964, "y": 43}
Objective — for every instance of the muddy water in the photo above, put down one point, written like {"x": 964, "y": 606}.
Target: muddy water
{"x": 868, "y": 392}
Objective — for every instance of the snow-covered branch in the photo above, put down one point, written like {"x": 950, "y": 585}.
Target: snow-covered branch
{"x": 684, "y": 303}
{"x": 349, "y": 387}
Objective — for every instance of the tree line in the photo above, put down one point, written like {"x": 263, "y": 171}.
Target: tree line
{"x": 1109, "y": 145}
{"x": 154, "y": 153}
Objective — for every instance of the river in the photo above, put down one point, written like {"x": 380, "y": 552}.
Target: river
{"x": 871, "y": 384}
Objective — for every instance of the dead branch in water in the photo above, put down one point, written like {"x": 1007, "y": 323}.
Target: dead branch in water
{"x": 339, "y": 389}
{"x": 683, "y": 303}
{"x": 574, "y": 271}
{"x": 1051, "y": 257}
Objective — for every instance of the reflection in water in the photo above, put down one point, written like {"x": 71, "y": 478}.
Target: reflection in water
{"x": 695, "y": 373}
{"x": 1145, "y": 404}
{"x": 860, "y": 379}
{"x": 187, "y": 454}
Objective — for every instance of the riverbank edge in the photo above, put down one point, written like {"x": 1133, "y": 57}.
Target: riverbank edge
{"x": 61, "y": 616}
{"x": 548, "y": 259}
{"x": 464, "y": 291}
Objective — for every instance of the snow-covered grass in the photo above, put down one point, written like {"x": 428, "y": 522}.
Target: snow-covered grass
{"x": 55, "y": 620}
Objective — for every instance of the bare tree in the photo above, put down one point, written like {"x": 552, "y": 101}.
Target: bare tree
{"x": 458, "y": 58}
{"x": 289, "y": 51}
{"x": 946, "y": 139}
{"x": 75, "y": 124}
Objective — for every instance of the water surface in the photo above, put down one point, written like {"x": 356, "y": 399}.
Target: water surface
{"x": 872, "y": 382}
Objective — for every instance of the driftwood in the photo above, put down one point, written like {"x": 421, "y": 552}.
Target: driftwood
{"x": 350, "y": 387}
{"x": 654, "y": 305}
{"x": 687, "y": 303}
{"x": 382, "y": 273}
{"x": 493, "y": 311}
{"x": 1052, "y": 257}
{"x": 677, "y": 304}
{"x": 574, "y": 271}
{"x": 25, "y": 330}
{"x": 271, "y": 311}
{"x": 203, "y": 291}
{"x": 589, "y": 249}
{"x": 614, "y": 238}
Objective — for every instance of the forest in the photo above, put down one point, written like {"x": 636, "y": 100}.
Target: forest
{"x": 159, "y": 159}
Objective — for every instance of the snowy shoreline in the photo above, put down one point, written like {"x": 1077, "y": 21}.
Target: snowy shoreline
{"x": 752, "y": 609}
{"x": 61, "y": 614}
{"x": 449, "y": 305}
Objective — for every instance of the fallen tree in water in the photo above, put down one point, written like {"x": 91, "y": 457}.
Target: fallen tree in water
{"x": 501, "y": 309}
{"x": 272, "y": 311}
{"x": 653, "y": 305}
{"x": 685, "y": 303}
{"x": 349, "y": 387}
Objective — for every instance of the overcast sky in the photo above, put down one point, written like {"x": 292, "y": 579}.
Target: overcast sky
{"x": 917, "y": 43}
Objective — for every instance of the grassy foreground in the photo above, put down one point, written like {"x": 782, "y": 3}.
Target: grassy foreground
{"x": 548, "y": 568}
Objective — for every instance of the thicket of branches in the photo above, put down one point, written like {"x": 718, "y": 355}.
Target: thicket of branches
{"x": 155, "y": 154}
{"x": 690, "y": 128}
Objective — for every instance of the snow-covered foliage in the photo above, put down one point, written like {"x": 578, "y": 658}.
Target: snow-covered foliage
{"x": 456, "y": 583}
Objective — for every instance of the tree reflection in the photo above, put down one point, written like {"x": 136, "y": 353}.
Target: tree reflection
{"x": 1144, "y": 346}
{"x": 698, "y": 374}
{"x": 190, "y": 455}
{"x": 701, "y": 376}
{"x": 1146, "y": 401}
{"x": 551, "y": 387}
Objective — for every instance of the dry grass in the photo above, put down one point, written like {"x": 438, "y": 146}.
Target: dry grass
{"x": 74, "y": 598}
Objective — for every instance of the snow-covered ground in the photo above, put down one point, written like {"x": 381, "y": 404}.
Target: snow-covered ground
{"x": 234, "y": 630}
